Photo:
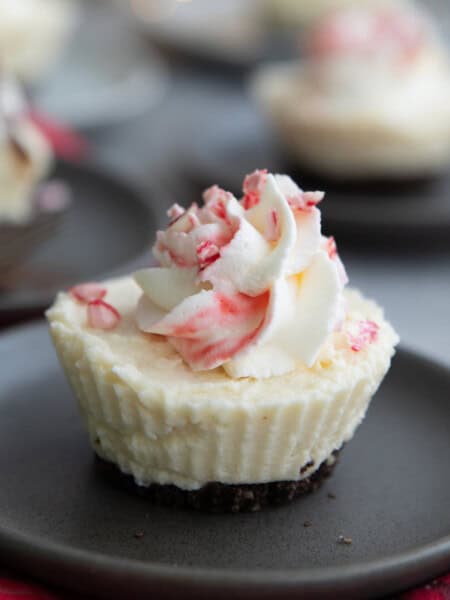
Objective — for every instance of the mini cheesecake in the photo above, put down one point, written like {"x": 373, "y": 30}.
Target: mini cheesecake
{"x": 364, "y": 107}
{"x": 150, "y": 415}
{"x": 204, "y": 396}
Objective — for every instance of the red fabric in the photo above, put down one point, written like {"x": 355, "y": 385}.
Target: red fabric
{"x": 437, "y": 590}
{"x": 14, "y": 590}
{"x": 66, "y": 144}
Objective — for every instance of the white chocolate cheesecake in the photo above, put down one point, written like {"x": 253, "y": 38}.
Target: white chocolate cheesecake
{"x": 184, "y": 380}
{"x": 371, "y": 99}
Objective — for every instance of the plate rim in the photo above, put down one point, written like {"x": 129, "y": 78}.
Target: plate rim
{"x": 423, "y": 561}
{"x": 140, "y": 195}
{"x": 209, "y": 54}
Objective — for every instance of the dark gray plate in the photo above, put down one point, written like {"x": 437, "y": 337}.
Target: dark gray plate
{"x": 63, "y": 523}
{"x": 107, "y": 226}
{"x": 239, "y": 141}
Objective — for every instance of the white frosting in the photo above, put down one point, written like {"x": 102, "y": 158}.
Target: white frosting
{"x": 241, "y": 282}
{"x": 364, "y": 102}
{"x": 395, "y": 72}
{"x": 31, "y": 33}
{"x": 25, "y": 156}
{"x": 150, "y": 414}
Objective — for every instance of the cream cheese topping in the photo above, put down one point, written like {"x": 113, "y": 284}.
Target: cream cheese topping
{"x": 249, "y": 285}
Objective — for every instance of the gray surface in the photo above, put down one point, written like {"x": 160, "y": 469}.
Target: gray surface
{"x": 413, "y": 284}
{"x": 99, "y": 81}
{"x": 392, "y": 498}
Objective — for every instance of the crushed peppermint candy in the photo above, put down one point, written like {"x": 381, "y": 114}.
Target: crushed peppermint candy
{"x": 394, "y": 31}
{"x": 207, "y": 253}
{"x": 175, "y": 212}
{"x": 252, "y": 188}
{"x": 305, "y": 200}
{"x": 367, "y": 333}
{"x": 101, "y": 315}
{"x": 273, "y": 226}
{"x": 87, "y": 292}
{"x": 331, "y": 247}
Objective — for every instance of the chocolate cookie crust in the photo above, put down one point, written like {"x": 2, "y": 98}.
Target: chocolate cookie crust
{"x": 219, "y": 497}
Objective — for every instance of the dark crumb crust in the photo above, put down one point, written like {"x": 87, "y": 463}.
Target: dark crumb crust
{"x": 219, "y": 497}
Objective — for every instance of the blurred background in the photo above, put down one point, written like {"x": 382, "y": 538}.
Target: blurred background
{"x": 137, "y": 104}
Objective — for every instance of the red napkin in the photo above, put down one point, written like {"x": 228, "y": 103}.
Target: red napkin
{"x": 13, "y": 590}
{"x": 66, "y": 144}
{"x": 438, "y": 590}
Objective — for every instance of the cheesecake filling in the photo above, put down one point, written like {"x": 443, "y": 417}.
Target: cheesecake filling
{"x": 251, "y": 285}
{"x": 149, "y": 413}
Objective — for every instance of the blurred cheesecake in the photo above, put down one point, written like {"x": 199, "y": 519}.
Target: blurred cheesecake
{"x": 370, "y": 100}
{"x": 30, "y": 208}
{"x": 32, "y": 33}
{"x": 25, "y": 156}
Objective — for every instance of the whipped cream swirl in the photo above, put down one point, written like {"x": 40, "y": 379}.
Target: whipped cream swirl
{"x": 250, "y": 285}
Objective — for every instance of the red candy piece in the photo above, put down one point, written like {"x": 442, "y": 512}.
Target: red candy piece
{"x": 253, "y": 186}
{"x": 368, "y": 333}
{"x": 273, "y": 226}
{"x": 174, "y": 213}
{"x": 207, "y": 253}
{"x": 102, "y": 315}
{"x": 305, "y": 201}
{"x": 87, "y": 292}
{"x": 251, "y": 199}
{"x": 331, "y": 247}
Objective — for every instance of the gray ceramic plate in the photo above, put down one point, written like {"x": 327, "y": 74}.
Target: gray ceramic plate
{"x": 106, "y": 227}
{"x": 229, "y": 32}
{"x": 63, "y": 523}
{"x": 106, "y": 74}
{"x": 238, "y": 141}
